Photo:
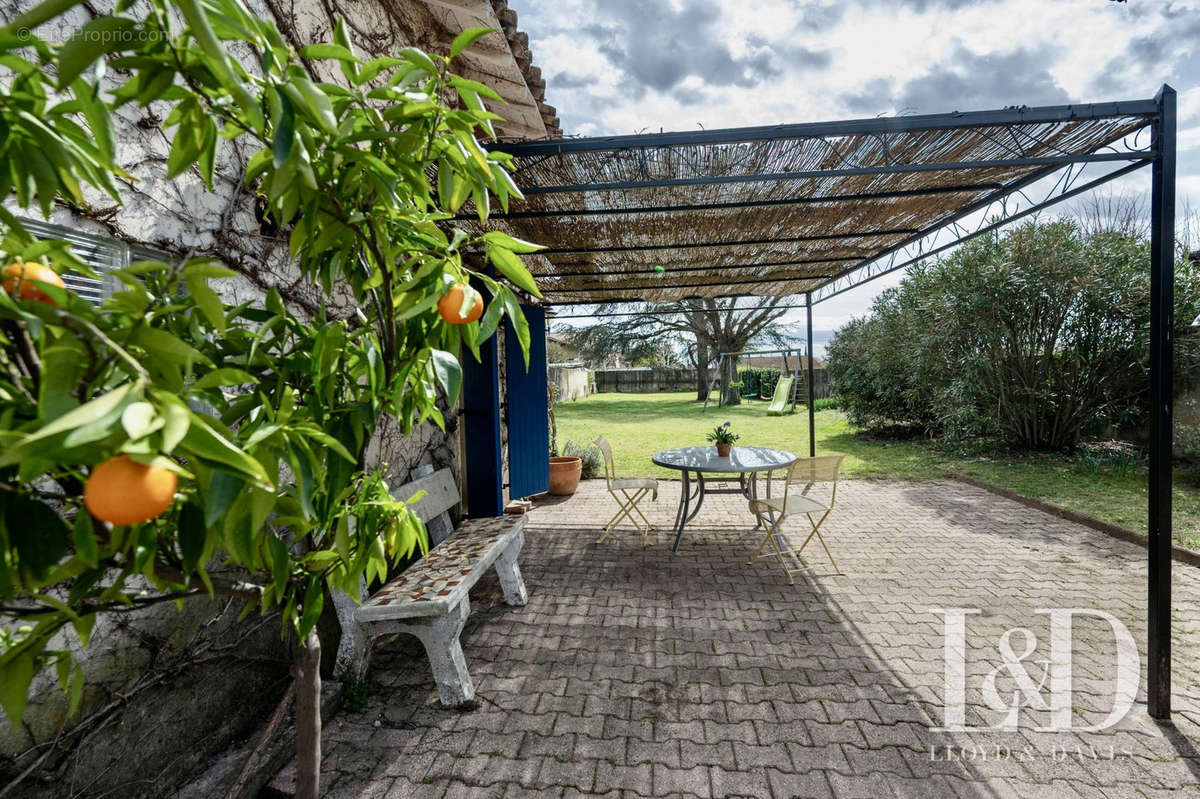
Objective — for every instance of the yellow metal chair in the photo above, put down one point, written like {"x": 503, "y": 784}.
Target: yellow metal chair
{"x": 772, "y": 511}
{"x": 628, "y": 492}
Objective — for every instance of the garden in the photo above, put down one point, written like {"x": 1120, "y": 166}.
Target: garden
{"x": 1107, "y": 484}
{"x": 1019, "y": 360}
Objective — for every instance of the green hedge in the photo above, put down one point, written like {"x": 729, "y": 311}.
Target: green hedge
{"x": 758, "y": 381}
{"x": 1037, "y": 335}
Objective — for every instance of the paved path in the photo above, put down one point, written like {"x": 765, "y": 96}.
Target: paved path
{"x": 635, "y": 672}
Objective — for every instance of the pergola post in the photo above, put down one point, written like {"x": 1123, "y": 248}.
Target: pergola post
{"x": 1162, "y": 305}
{"x": 812, "y": 416}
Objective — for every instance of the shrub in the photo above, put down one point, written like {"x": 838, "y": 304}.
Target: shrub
{"x": 1038, "y": 336}
{"x": 1187, "y": 442}
{"x": 593, "y": 460}
{"x": 1117, "y": 457}
{"x": 758, "y": 381}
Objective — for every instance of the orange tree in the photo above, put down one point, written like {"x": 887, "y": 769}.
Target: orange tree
{"x": 253, "y": 420}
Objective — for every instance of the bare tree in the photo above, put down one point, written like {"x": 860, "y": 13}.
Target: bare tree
{"x": 1109, "y": 211}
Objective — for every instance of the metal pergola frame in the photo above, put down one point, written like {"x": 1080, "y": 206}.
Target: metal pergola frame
{"x": 1003, "y": 203}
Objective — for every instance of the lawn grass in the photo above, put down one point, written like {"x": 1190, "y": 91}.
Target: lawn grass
{"x": 640, "y": 424}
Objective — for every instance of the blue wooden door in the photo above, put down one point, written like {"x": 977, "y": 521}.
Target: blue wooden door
{"x": 528, "y": 420}
{"x": 481, "y": 431}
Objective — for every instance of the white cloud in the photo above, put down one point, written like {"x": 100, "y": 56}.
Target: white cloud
{"x": 952, "y": 54}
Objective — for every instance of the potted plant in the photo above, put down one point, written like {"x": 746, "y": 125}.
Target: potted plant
{"x": 566, "y": 469}
{"x": 564, "y": 474}
{"x": 723, "y": 437}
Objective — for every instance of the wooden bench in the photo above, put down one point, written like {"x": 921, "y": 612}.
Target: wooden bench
{"x": 430, "y": 599}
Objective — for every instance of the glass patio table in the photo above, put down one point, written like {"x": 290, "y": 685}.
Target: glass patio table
{"x": 745, "y": 462}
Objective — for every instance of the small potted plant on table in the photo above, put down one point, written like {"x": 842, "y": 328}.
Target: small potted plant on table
{"x": 723, "y": 437}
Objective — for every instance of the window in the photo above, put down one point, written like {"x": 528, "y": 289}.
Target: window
{"x": 101, "y": 253}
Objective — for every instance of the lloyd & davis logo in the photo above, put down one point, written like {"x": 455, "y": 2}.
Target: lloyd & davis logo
{"x": 1043, "y": 687}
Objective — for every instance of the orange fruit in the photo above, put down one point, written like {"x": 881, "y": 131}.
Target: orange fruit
{"x": 21, "y": 281}
{"x": 450, "y": 305}
{"x": 123, "y": 491}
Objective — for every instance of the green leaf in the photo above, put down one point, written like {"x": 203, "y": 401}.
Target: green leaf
{"x": 37, "y": 534}
{"x": 42, "y": 12}
{"x": 188, "y": 141}
{"x": 85, "y": 414}
{"x": 281, "y": 562}
{"x": 508, "y": 242}
{"x": 204, "y": 442}
{"x": 85, "y": 539}
{"x": 309, "y": 99}
{"x": 76, "y": 693}
{"x": 175, "y": 424}
{"x": 377, "y": 65}
{"x": 95, "y": 112}
{"x": 219, "y": 60}
{"x": 490, "y": 320}
{"x": 257, "y": 165}
{"x": 206, "y": 268}
{"x": 99, "y": 36}
{"x": 170, "y": 348}
{"x": 222, "y": 490}
{"x": 15, "y": 677}
{"x": 206, "y": 162}
{"x": 314, "y": 602}
{"x": 140, "y": 419}
{"x": 467, "y": 38}
{"x": 241, "y": 541}
{"x": 512, "y": 268}
{"x": 192, "y": 537}
{"x": 419, "y": 58}
{"x": 324, "y": 438}
{"x": 333, "y": 51}
{"x": 285, "y": 131}
{"x": 45, "y": 178}
{"x": 449, "y": 374}
{"x": 225, "y": 376}
{"x": 517, "y": 319}
{"x": 83, "y": 628}
{"x": 63, "y": 363}
{"x": 207, "y": 300}
{"x": 466, "y": 84}
{"x": 302, "y": 470}
{"x": 147, "y": 545}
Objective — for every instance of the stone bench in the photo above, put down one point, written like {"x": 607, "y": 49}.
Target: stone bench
{"x": 430, "y": 599}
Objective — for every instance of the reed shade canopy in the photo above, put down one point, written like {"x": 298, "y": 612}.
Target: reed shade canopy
{"x": 816, "y": 209}
{"x": 784, "y": 210}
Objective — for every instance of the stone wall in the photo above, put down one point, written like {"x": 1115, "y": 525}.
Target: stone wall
{"x": 165, "y": 691}
{"x": 168, "y": 689}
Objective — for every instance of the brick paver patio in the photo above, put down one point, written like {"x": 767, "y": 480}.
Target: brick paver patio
{"x": 635, "y": 672}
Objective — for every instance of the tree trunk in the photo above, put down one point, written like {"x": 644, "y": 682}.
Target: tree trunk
{"x": 733, "y": 393}
{"x": 307, "y": 674}
{"x": 701, "y": 370}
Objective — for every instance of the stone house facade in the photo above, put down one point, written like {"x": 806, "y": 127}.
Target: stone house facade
{"x": 166, "y": 689}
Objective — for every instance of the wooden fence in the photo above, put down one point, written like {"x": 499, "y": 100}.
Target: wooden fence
{"x": 660, "y": 378}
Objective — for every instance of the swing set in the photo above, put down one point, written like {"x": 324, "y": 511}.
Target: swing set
{"x": 787, "y": 388}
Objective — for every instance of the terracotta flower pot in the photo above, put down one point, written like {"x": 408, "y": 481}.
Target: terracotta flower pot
{"x": 723, "y": 449}
{"x": 564, "y": 475}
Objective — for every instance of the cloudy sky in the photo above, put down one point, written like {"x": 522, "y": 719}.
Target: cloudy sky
{"x": 627, "y": 66}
